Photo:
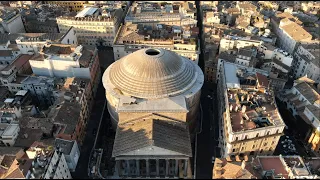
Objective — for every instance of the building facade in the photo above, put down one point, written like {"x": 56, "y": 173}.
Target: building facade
{"x": 8, "y": 134}
{"x": 73, "y": 6}
{"x": 11, "y": 22}
{"x": 303, "y": 101}
{"x": 70, "y": 151}
{"x": 71, "y": 61}
{"x": 289, "y": 31}
{"x": 306, "y": 62}
{"x": 72, "y": 109}
{"x": 232, "y": 45}
{"x": 95, "y": 29}
{"x": 248, "y": 115}
{"x": 58, "y": 168}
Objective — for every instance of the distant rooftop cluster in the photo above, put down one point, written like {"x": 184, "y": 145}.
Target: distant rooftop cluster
{"x": 95, "y": 14}
{"x": 267, "y": 167}
{"x": 162, "y": 34}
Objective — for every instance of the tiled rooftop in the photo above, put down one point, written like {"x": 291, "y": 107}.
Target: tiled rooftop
{"x": 67, "y": 114}
{"x": 54, "y": 51}
{"x": 149, "y": 131}
{"x": 296, "y": 32}
{"x": 64, "y": 145}
{"x": 250, "y": 109}
{"x": 18, "y": 62}
{"x": 308, "y": 92}
{"x": 269, "y": 163}
{"x": 265, "y": 167}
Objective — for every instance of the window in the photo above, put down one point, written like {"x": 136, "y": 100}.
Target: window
{"x": 233, "y": 150}
{"x": 253, "y": 146}
{"x": 265, "y": 144}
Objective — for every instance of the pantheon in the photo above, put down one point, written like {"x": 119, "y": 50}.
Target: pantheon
{"x": 153, "y": 99}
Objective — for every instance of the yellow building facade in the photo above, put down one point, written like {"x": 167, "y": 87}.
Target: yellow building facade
{"x": 73, "y": 5}
{"x": 314, "y": 141}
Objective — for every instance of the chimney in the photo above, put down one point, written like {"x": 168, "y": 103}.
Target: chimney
{"x": 246, "y": 116}
{"x": 238, "y": 158}
{"x": 243, "y": 165}
{"x": 230, "y": 109}
{"x": 236, "y": 109}
{"x": 228, "y": 159}
{"x": 241, "y": 122}
{"x": 246, "y": 158}
{"x": 248, "y": 97}
{"x": 242, "y": 98}
{"x": 244, "y": 108}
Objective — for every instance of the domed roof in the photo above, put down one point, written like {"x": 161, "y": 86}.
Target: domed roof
{"x": 152, "y": 73}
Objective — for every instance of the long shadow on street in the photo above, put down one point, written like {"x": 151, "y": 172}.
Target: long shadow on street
{"x": 204, "y": 150}
{"x": 106, "y": 58}
{"x": 82, "y": 167}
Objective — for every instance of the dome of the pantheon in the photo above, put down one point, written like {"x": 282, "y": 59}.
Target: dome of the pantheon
{"x": 151, "y": 74}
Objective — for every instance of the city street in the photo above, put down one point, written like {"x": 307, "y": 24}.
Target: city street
{"x": 82, "y": 167}
{"x": 207, "y": 140}
{"x": 106, "y": 133}
{"x": 206, "y": 143}
{"x": 106, "y": 58}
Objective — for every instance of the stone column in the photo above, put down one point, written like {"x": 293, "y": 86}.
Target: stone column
{"x": 118, "y": 163}
{"x": 147, "y": 167}
{"x": 157, "y": 167}
{"x": 167, "y": 167}
{"x": 128, "y": 167}
{"x": 185, "y": 173}
{"x": 176, "y": 171}
{"x": 138, "y": 167}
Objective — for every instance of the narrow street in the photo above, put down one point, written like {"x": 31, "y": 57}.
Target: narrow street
{"x": 204, "y": 151}
{"x": 200, "y": 26}
{"x": 106, "y": 58}
{"x": 208, "y": 138}
{"x": 106, "y": 133}
{"x": 206, "y": 143}
{"x": 82, "y": 166}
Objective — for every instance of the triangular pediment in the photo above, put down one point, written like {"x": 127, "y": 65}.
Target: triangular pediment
{"x": 152, "y": 150}
{"x": 149, "y": 135}
{"x": 151, "y": 116}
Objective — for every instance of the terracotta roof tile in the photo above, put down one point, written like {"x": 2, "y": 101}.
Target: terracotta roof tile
{"x": 149, "y": 131}
{"x": 262, "y": 79}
